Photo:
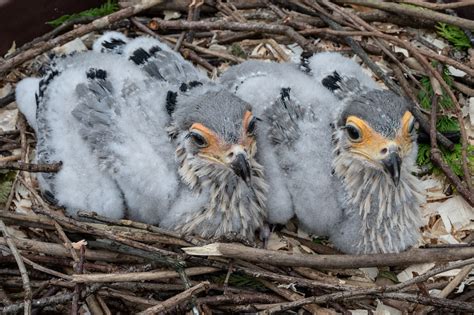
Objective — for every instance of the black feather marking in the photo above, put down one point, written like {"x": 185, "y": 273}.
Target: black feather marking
{"x": 50, "y": 198}
{"x": 171, "y": 99}
{"x": 140, "y": 56}
{"x": 183, "y": 87}
{"x": 154, "y": 50}
{"x": 94, "y": 73}
{"x": 285, "y": 94}
{"x": 193, "y": 84}
{"x": 113, "y": 43}
{"x": 304, "y": 61}
{"x": 43, "y": 84}
{"x": 331, "y": 82}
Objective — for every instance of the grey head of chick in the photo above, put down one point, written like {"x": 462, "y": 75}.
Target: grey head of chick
{"x": 374, "y": 158}
{"x": 216, "y": 151}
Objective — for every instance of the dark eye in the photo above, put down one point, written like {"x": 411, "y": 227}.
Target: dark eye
{"x": 197, "y": 139}
{"x": 353, "y": 133}
{"x": 411, "y": 126}
{"x": 252, "y": 126}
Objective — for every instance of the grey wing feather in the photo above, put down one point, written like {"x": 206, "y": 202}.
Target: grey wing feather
{"x": 161, "y": 62}
{"x": 95, "y": 111}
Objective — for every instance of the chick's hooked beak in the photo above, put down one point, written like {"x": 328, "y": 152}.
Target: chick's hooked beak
{"x": 238, "y": 161}
{"x": 392, "y": 163}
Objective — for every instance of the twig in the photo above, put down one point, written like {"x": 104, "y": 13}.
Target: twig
{"x": 140, "y": 276}
{"x": 59, "y": 251}
{"x": 416, "y": 12}
{"x": 21, "y": 267}
{"x": 30, "y": 167}
{"x": 440, "y": 302}
{"x": 439, "y": 6}
{"x": 39, "y": 267}
{"x": 176, "y": 300}
{"x": 280, "y": 258}
{"x": 6, "y": 100}
{"x": 53, "y": 300}
{"x": 235, "y": 26}
{"x": 79, "y": 269}
{"x": 450, "y": 287}
{"x": 96, "y": 25}
{"x": 139, "y": 225}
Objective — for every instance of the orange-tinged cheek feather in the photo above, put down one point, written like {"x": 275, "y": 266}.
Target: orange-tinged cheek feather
{"x": 373, "y": 144}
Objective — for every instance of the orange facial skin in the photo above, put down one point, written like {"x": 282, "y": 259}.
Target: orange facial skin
{"x": 371, "y": 144}
{"x": 217, "y": 149}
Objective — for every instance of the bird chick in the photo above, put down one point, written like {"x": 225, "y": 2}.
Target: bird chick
{"x": 138, "y": 144}
{"x": 356, "y": 184}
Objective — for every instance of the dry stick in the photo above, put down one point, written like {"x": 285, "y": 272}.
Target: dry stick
{"x": 30, "y": 167}
{"x": 40, "y": 268}
{"x": 450, "y": 287}
{"x": 289, "y": 295}
{"x": 331, "y": 261}
{"x": 202, "y": 50}
{"x": 180, "y": 298}
{"x": 140, "y": 276}
{"x": 415, "y": 12}
{"x": 419, "y": 299}
{"x": 107, "y": 292}
{"x": 103, "y": 305}
{"x": 96, "y": 25}
{"x": 89, "y": 229}
{"x": 235, "y": 26}
{"x": 128, "y": 229}
{"x": 138, "y": 225}
{"x": 79, "y": 269}
{"x": 53, "y": 300}
{"x": 6, "y": 100}
{"x": 456, "y": 305}
{"x": 66, "y": 25}
{"x": 439, "y": 6}
{"x": 57, "y": 250}
{"x": 21, "y": 267}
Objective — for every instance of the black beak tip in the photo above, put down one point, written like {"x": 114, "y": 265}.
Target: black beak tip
{"x": 241, "y": 167}
{"x": 393, "y": 165}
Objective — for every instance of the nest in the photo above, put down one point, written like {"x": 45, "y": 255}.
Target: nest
{"x": 52, "y": 263}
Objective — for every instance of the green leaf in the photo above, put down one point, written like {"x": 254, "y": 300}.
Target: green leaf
{"x": 454, "y": 34}
{"x": 107, "y": 8}
{"x": 237, "y": 51}
{"x": 6, "y": 181}
{"x": 389, "y": 275}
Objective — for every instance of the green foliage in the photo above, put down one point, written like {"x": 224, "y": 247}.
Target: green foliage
{"x": 240, "y": 281}
{"x": 389, "y": 275}
{"x": 454, "y": 34}
{"x": 237, "y": 51}
{"x": 447, "y": 124}
{"x": 453, "y": 158}
{"x": 107, "y": 8}
{"x": 426, "y": 94}
{"x": 6, "y": 182}
{"x": 444, "y": 124}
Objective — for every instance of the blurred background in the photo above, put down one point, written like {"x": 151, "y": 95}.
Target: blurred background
{"x": 23, "y": 20}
